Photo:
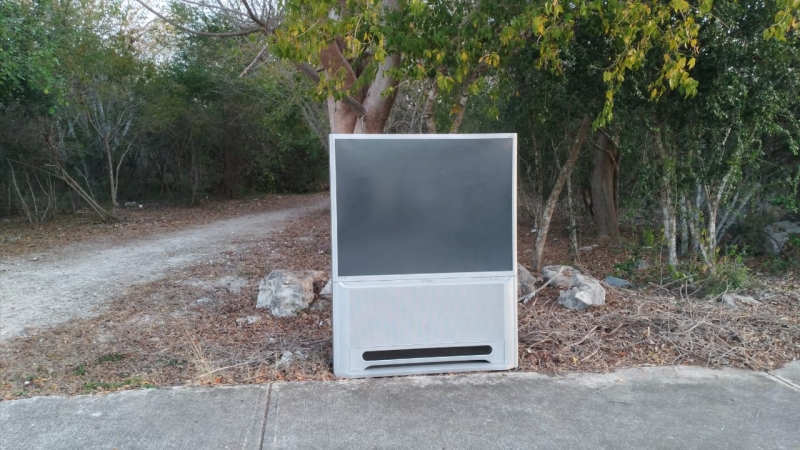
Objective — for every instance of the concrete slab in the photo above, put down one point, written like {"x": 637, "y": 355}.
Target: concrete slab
{"x": 179, "y": 418}
{"x": 790, "y": 372}
{"x": 654, "y": 408}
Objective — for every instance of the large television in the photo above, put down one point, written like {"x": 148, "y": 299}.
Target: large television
{"x": 424, "y": 253}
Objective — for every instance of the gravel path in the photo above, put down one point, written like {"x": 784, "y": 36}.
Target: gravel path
{"x": 44, "y": 289}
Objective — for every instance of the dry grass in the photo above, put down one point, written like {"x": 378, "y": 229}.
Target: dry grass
{"x": 157, "y": 335}
{"x": 652, "y": 328}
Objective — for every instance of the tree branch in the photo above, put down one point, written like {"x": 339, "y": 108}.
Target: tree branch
{"x": 308, "y": 71}
{"x": 349, "y": 100}
{"x": 253, "y": 16}
{"x": 255, "y": 60}
{"x": 242, "y": 32}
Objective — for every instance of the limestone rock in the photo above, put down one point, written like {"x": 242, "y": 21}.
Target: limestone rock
{"x": 327, "y": 290}
{"x": 286, "y": 293}
{"x": 578, "y": 291}
{"x": 526, "y": 283}
{"x": 733, "y": 299}
{"x": 204, "y": 301}
{"x": 249, "y": 320}
{"x": 558, "y": 276}
{"x": 777, "y": 235}
{"x": 617, "y": 282}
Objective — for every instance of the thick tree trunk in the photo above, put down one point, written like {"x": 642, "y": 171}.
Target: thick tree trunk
{"x": 367, "y": 110}
{"x": 380, "y": 98}
{"x": 563, "y": 175}
{"x": 342, "y": 116}
{"x": 603, "y": 201}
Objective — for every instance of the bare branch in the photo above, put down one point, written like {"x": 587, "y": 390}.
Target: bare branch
{"x": 253, "y": 16}
{"x": 242, "y": 32}
{"x": 349, "y": 100}
{"x": 218, "y": 7}
{"x": 255, "y": 60}
{"x": 308, "y": 71}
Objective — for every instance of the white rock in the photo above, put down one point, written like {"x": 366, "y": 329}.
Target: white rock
{"x": 286, "y": 293}
{"x": 321, "y": 305}
{"x": 578, "y": 291}
{"x": 526, "y": 283}
{"x": 288, "y": 358}
{"x": 248, "y": 320}
{"x": 617, "y": 282}
{"x": 558, "y": 276}
{"x": 327, "y": 290}
{"x": 205, "y": 301}
{"x": 777, "y": 235}
{"x": 732, "y": 299}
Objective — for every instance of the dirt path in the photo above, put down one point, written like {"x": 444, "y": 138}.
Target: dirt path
{"x": 45, "y": 289}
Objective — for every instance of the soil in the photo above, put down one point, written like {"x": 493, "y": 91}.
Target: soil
{"x": 194, "y": 322}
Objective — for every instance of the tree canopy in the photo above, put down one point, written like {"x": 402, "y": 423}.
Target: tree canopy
{"x": 686, "y": 108}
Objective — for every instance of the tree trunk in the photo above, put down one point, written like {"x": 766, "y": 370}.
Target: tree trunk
{"x": 463, "y": 97}
{"x": 380, "y": 98}
{"x": 667, "y": 200}
{"x": 603, "y": 201}
{"x": 111, "y": 181}
{"x": 461, "y": 108}
{"x": 573, "y": 225}
{"x": 367, "y": 110}
{"x": 684, "y": 226}
{"x": 23, "y": 204}
{"x": 427, "y": 111}
{"x": 547, "y": 213}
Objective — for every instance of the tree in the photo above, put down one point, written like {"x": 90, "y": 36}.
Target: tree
{"x": 364, "y": 48}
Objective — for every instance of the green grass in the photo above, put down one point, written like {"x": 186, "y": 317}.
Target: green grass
{"x": 80, "y": 370}
{"x": 111, "y": 357}
{"x": 136, "y": 382}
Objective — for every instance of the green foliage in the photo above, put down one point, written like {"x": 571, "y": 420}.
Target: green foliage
{"x": 730, "y": 275}
{"x": 111, "y": 357}
{"x": 94, "y": 385}
{"x": 80, "y": 370}
{"x": 648, "y": 238}
{"x": 455, "y": 41}
{"x": 626, "y": 268}
{"x": 183, "y": 126}
{"x": 28, "y": 57}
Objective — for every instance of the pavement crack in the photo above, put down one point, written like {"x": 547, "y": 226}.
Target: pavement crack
{"x": 783, "y": 381}
{"x": 266, "y": 415}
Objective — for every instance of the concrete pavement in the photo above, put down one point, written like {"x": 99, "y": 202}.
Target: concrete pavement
{"x": 658, "y": 407}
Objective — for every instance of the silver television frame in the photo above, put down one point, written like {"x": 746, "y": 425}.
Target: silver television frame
{"x": 341, "y": 323}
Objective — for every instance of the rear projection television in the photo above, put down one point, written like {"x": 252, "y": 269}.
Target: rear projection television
{"x": 424, "y": 253}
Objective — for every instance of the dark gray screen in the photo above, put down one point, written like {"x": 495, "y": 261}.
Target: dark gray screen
{"x": 416, "y": 206}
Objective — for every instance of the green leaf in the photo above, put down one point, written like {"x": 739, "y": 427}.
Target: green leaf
{"x": 680, "y": 5}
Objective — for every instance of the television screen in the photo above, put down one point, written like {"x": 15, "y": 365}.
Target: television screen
{"x": 423, "y": 205}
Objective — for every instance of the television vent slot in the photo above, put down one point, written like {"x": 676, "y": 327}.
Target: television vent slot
{"x": 435, "y": 352}
{"x": 439, "y": 363}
